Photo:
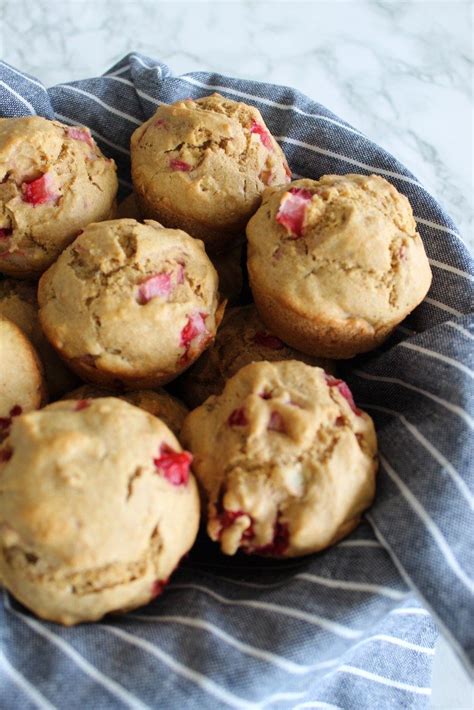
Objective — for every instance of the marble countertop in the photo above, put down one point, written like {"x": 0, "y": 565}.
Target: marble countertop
{"x": 401, "y": 72}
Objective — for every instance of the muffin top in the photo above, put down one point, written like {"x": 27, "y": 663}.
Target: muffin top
{"x": 21, "y": 375}
{"x": 18, "y": 303}
{"x": 53, "y": 181}
{"x": 338, "y": 248}
{"x": 97, "y": 503}
{"x": 131, "y": 299}
{"x": 241, "y": 339}
{"x": 208, "y": 160}
{"x": 286, "y": 459}
{"x": 160, "y": 403}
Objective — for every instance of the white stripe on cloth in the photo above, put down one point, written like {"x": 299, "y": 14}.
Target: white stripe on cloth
{"x": 432, "y": 450}
{"x": 359, "y": 543}
{"x": 452, "y": 269}
{"x": 341, "y": 584}
{"x": 280, "y": 696}
{"x": 268, "y": 102}
{"x": 327, "y": 624}
{"x": 352, "y": 670}
{"x": 140, "y": 93}
{"x": 21, "y": 682}
{"x": 439, "y": 227}
{"x": 442, "y": 306}
{"x": 269, "y": 657}
{"x": 462, "y": 330}
{"x": 430, "y": 525}
{"x": 202, "y": 681}
{"x": 73, "y": 122}
{"x": 19, "y": 97}
{"x": 438, "y": 356}
{"x": 404, "y": 330}
{"x": 346, "y": 159}
{"x": 23, "y": 76}
{"x": 108, "y": 107}
{"x": 417, "y": 610}
{"x": 394, "y": 380}
{"x": 112, "y": 686}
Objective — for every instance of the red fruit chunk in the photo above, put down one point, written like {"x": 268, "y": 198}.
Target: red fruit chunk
{"x": 16, "y": 411}
{"x": 5, "y": 423}
{"x": 265, "y": 395}
{"x": 292, "y": 210}
{"x": 158, "y": 587}
{"x": 264, "y": 135}
{"x": 5, "y": 233}
{"x": 157, "y": 285}
{"x": 279, "y": 545}
{"x": 5, "y": 455}
{"x": 159, "y": 122}
{"x": 237, "y": 418}
{"x": 180, "y": 165}
{"x": 180, "y": 273}
{"x": 344, "y": 390}
{"x": 195, "y": 326}
{"x": 82, "y": 404}
{"x": 174, "y": 465}
{"x": 276, "y": 423}
{"x": 267, "y": 340}
{"x": 80, "y": 134}
{"x": 38, "y": 192}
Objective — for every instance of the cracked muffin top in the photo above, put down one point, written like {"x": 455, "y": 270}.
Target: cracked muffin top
{"x": 18, "y": 302}
{"x": 160, "y": 403}
{"x": 54, "y": 180}
{"x": 286, "y": 460}
{"x": 203, "y": 164}
{"x": 342, "y": 252}
{"x": 130, "y": 304}
{"x": 97, "y": 507}
{"x": 241, "y": 339}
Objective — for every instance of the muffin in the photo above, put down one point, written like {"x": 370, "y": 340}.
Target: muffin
{"x": 286, "y": 460}
{"x": 161, "y": 404}
{"x": 54, "y": 180}
{"x": 97, "y": 507}
{"x": 202, "y": 165}
{"x": 241, "y": 339}
{"x": 18, "y": 303}
{"x": 22, "y": 385}
{"x": 130, "y": 304}
{"x": 335, "y": 264}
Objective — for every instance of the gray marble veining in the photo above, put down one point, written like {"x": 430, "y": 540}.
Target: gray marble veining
{"x": 401, "y": 72}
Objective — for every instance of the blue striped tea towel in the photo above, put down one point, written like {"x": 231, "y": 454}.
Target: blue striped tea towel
{"x": 351, "y": 627}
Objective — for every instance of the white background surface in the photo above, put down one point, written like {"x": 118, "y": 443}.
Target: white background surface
{"x": 401, "y": 72}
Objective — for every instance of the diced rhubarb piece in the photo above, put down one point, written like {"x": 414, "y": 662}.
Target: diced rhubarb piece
{"x": 80, "y": 134}
{"x": 195, "y": 326}
{"x": 265, "y": 395}
{"x": 39, "y": 191}
{"x": 276, "y": 423}
{"x": 16, "y": 411}
{"x": 5, "y": 454}
{"x": 292, "y": 210}
{"x": 267, "y": 340}
{"x": 262, "y": 133}
{"x": 5, "y": 423}
{"x": 158, "y": 587}
{"x": 159, "y": 123}
{"x": 279, "y": 544}
{"x": 5, "y": 233}
{"x": 82, "y": 404}
{"x": 180, "y": 165}
{"x": 342, "y": 387}
{"x": 180, "y": 273}
{"x": 238, "y": 418}
{"x": 174, "y": 465}
{"x": 154, "y": 286}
